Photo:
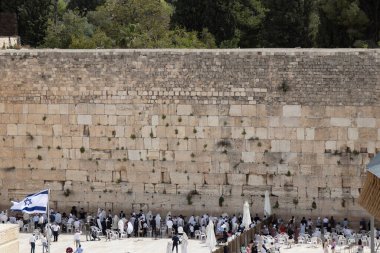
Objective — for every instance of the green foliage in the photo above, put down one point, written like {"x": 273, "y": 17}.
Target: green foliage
{"x": 196, "y": 23}
{"x": 190, "y": 195}
{"x": 72, "y": 28}
{"x": 230, "y": 21}
{"x": 342, "y": 23}
{"x": 289, "y": 23}
{"x": 83, "y": 6}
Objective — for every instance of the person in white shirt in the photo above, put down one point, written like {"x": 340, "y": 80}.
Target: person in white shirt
{"x": 44, "y": 244}
{"x": 70, "y": 220}
{"x": 32, "y": 241}
{"x": 77, "y": 238}
{"x": 169, "y": 224}
{"x": 55, "y": 227}
{"x": 120, "y": 226}
{"x": 76, "y": 224}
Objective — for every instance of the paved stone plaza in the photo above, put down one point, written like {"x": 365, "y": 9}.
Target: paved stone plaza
{"x": 134, "y": 245}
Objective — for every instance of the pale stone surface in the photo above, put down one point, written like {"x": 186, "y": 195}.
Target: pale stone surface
{"x": 135, "y": 245}
{"x": 9, "y": 238}
{"x": 291, "y": 111}
{"x": 340, "y": 122}
{"x": 173, "y": 120}
{"x": 184, "y": 109}
{"x": 84, "y": 119}
{"x": 366, "y": 122}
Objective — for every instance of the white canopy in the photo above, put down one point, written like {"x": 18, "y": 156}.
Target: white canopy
{"x": 267, "y": 206}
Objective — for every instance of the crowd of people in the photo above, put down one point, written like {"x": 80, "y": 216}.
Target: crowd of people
{"x": 143, "y": 224}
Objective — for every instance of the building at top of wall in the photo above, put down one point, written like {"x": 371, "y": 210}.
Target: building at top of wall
{"x": 8, "y": 30}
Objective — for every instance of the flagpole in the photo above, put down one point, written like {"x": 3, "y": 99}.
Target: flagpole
{"x": 49, "y": 226}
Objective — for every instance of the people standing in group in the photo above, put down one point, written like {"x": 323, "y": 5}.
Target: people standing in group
{"x": 32, "y": 242}
{"x": 55, "y": 227}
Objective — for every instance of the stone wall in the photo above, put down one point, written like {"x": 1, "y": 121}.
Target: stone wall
{"x": 9, "y": 238}
{"x": 183, "y": 130}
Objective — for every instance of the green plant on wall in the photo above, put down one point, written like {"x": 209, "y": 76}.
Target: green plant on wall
{"x": 190, "y": 195}
{"x": 221, "y": 200}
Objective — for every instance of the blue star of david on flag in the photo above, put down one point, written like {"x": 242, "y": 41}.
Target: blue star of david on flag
{"x": 27, "y": 201}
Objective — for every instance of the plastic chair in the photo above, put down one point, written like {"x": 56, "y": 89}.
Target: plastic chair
{"x": 69, "y": 227}
{"x": 197, "y": 234}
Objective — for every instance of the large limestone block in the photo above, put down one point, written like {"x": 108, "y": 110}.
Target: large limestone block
{"x": 257, "y": 180}
{"x": 214, "y": 190}
{"x": 76, "y": 175}
{"x": 236, "y": 179}
{"x": 135, "y": 155}
{"x": 213, "y": 120}
{"x": 11, "y": 129}
{"x": 366, "y": 122}
{"x": 9, "y": 241}
{"x": 103, "y": 176}
{"x": 235, "y": 110}
{"x": 290, "y": 122}
{"x": 84, "y": 119}
{"x": 340, "y": 122}
{"x": 53, "y": 109}
{"x": 248, "y": 110}
{"x": 184, "y": 155}
{"x": 310, "y": 133}
{"x": 291, "y": 111}
{"x": 184, "y": 109}
{"x": 248, "y": 157}
{"x": 215, "y": 178}
{"x": 367, "y": 134}
{"x": 280, "y": 146}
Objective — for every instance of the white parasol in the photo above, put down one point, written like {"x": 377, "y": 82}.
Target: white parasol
{"x": 267, "y": 207}
{"x": 246, "y": 215}
{"x": 210, "y": 235}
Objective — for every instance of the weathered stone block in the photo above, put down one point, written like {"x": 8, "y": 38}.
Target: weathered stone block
{"x": 184, "y": 109}
{"x": 291, "y": 111}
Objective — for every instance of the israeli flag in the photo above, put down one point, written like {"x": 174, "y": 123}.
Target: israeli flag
{"x": 33, "y": 203}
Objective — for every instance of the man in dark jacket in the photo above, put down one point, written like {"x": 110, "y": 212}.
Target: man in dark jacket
{"x": 175, "y": 242}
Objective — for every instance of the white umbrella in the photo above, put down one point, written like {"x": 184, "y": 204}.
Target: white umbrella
{"x": 267, "y": 207}
{"x": 210, "y": 235}
{"x": 246, "y": 215}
